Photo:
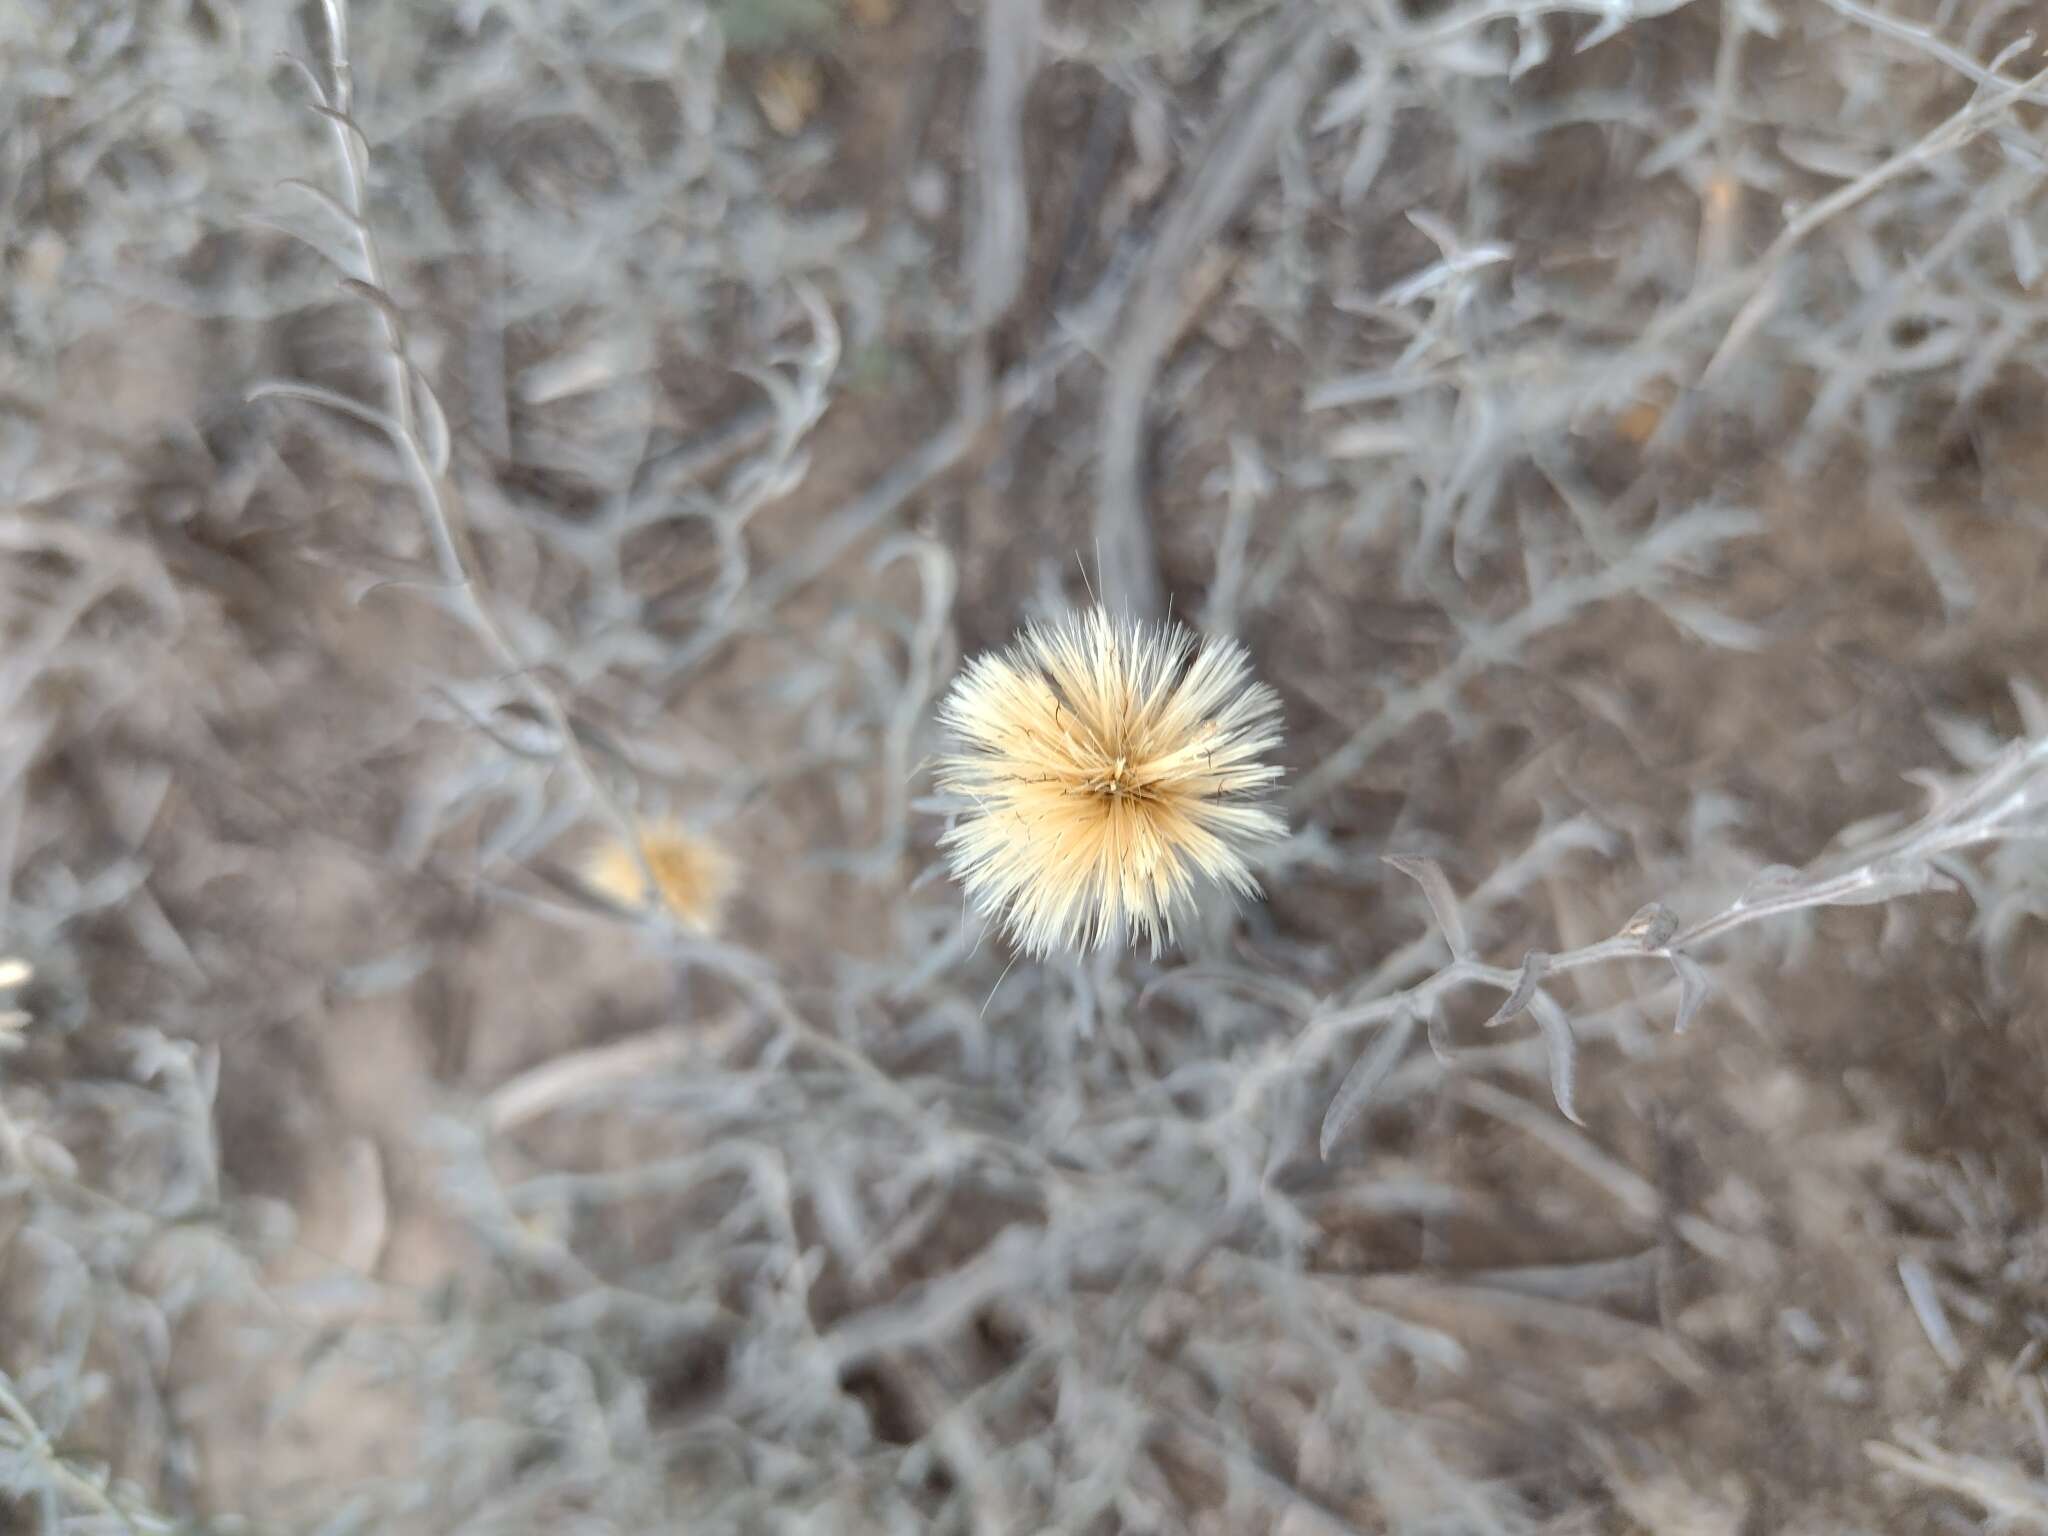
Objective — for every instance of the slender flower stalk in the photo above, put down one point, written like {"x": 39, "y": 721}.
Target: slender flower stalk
{"x": 1109, "y": 769}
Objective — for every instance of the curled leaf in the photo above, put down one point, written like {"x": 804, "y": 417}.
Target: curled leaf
{"x": 1535, "y": 965}
{"x": 1443, "y": 903}
{"x": 1563, "y": 1048}
{"x": 333, "y": 400}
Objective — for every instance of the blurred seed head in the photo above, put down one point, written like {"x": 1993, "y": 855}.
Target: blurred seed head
{"x": 692, "y": 876}
{"x": 14, "y": 972}
{"x": 1111, "y": 767}
{"x": 789, "y": 91}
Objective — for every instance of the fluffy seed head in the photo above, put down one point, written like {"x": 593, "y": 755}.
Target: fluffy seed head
{"x": 691, "y": 875}
{"x": 1109, "y": 766}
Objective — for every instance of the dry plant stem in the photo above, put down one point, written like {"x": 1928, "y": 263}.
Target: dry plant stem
{"x": 1250, "y": 483}
{"x": 1645, "y": 569}
{"x": 425, "y": 466}
{"x": 1302, "y": 1510}
{"x": 925, "y": 644}
{"x": 1227, "y": 179}
{"x": 1973, "y": 119}
{"x": 980, "y": 402}
{"x": 1923, "y": 41}
{"x": 1462, "y": 972}
{"x": 2004, "y": 1493}
{"x": 1236, "y": 159}
{"x": 578, "y": 1074}
{"x": 1002, "y": 229}
{"x": 2003, "y": 801}
{"x": 1722, "y": 195}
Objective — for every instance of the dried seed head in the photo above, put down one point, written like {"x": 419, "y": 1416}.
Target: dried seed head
{"x": 691, "y": 875}
{"x": 1110, "y": 766}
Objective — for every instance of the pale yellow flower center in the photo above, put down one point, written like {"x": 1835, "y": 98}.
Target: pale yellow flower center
{"x": 1119, "y": 783}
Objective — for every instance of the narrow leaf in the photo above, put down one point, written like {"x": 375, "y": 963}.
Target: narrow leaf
{"x": 1428, "y": 874}
{"x": 1967, "y": 741}
{"x": 2033, "y": 708}
{"x": 1563, "y": 1048}
{"x": 314, "y": 394}
{"x": 1693, "y": 988}
{"x": 345, "y": 121}
{"x": 433, "y": 424}
{"x": 305, "y": 72}
{"x": 1532, "y": 46}
{"x": 1535, "y": 966}
{"x": 280, "y": 227}
{"x": 1714, "y": 627}
{"x": 1366, "y": 1074}
{"x": 1439, "y": 1036}
{"x": 326, "y": 200}
{"x": 378, "y": 299}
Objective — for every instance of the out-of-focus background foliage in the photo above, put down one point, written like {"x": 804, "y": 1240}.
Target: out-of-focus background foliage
{"x": 1614, "y": 426}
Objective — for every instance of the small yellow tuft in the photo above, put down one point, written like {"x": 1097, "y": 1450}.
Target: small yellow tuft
{"x": 691, "y": 875}
{"x": 1109, "y": 764}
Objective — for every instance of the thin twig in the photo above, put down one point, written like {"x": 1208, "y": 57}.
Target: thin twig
{"x": 1237, "y": 157}
{"x": 409, "y": 407}
{"x": 1001, "y": 238}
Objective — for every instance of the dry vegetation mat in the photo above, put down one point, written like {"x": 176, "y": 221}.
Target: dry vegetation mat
{"x": 1478, "y": 969}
